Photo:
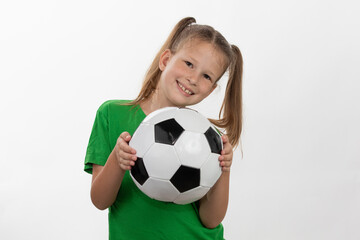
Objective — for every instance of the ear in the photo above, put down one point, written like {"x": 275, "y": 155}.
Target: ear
{"x": 164, "y": 59}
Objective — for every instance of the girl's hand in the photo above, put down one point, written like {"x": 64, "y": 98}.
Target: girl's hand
{"x": 226, "y": 154}
{"x": 126, "y": 155}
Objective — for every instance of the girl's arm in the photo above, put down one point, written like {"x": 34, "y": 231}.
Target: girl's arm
{"x": 106, "y": 180}
{"x": 214, "y": 204}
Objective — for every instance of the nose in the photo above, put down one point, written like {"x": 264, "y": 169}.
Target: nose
{"x": 193, "y": 78}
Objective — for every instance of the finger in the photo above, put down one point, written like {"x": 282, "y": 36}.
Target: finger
{"x": 125, "y": 167}
{"x": 225, "y": 138}
{"x": 225, "y": 158}
{"x": 226, "y": 154}
{"x": 227, "y": 148}
{"x": 124, "y": 146}
{"x": 127, "y": 156}
{"x": 225, "y": 163}
{"x": 126, "y": 136}
{"x": 127, "y": 162}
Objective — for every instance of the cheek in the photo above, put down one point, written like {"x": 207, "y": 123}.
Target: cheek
{"x": 207, "y": 88}
{"x": 180, "y": 68}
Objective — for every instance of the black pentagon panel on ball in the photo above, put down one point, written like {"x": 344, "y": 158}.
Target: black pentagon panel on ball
{"x": 168, "y": 131}
{"x": 214, "y": 140}
{"x": 186, "y": 178}
{"x": 138, "y": 171}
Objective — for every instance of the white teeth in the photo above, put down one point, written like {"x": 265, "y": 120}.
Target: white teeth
{"x": 184, "y": 89}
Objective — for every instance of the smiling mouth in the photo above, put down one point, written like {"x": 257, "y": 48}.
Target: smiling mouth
{"x": 184, "y": 89}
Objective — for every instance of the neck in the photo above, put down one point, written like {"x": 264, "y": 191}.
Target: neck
{"x": 153, "y": 103}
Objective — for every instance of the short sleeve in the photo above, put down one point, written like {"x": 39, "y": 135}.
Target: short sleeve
{"x": 98, "y": 149}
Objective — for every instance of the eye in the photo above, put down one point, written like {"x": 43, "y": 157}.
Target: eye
{"x": 189, "y": 64}
{"x": 207, "y": 77}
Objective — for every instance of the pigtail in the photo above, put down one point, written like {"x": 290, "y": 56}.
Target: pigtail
{"x": 230, "y": 116}
{"x": 153, "y": 73}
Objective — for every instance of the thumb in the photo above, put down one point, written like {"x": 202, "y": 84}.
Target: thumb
{"x": 125, "y": 136}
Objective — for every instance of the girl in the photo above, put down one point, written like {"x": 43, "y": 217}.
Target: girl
{"x": 183, "y": 73}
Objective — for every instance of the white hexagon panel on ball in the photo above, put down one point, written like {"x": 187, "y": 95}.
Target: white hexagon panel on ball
{"x": 191, "y": 195}
{"x": 161, "y": 190}
{"x": 192, "y": 148}
{"x": 161, "y": 161}
{"x": 191, "y": 120}
{"x": 210, "y": 171}
{"x": 160, "y": 115}
{"x": 142, "y": 139}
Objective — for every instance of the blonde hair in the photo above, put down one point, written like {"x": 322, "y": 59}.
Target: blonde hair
{"x": 230, "y": 115}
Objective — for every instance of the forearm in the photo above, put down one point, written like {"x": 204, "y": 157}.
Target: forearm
{"x": 213, "y": 205}
{"x": 106, "y": 183}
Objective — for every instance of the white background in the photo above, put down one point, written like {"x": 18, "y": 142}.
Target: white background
{"x": 299, "y": 177}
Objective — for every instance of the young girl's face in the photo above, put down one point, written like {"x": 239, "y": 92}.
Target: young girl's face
{"x": 189, "y": 75}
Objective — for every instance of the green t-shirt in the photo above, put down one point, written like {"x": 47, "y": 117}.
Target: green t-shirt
{"x": 134, "y": 215}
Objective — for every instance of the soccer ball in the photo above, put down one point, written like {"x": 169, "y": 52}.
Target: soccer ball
{"x": 177, "y": 155}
